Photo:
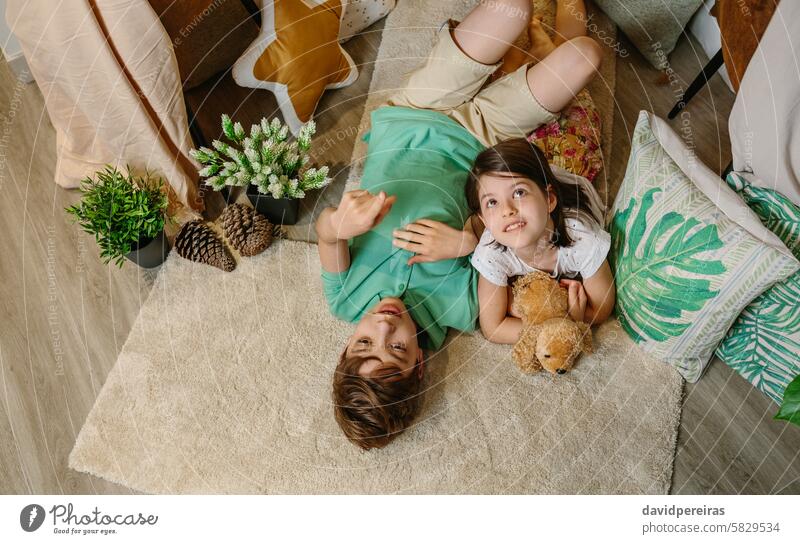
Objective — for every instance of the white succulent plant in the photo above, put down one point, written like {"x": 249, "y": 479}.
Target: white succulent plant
{"x": 267, "y": 159}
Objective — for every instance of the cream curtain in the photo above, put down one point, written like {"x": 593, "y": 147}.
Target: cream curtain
{"x": 110, "y": 82}
{"x": 764, "y": 124}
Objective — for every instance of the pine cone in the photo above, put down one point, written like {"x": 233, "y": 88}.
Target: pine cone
{"x": 247, "y": 231}
{"x": 197, "y": 242}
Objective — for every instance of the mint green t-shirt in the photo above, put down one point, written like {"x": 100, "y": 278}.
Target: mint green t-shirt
{"x": 422, "y": 157}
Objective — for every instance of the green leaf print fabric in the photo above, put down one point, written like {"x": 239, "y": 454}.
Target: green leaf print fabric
{"x": 763, "y": 345}
{"x": 658, "y": 296}
{"x": 684, "y": 270}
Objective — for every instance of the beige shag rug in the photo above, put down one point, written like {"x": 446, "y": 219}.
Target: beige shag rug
{"x": 223, "y": 386}
{"x": 407, "y": 39}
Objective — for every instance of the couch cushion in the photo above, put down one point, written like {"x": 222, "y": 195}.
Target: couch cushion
{"x": 653, "y": 26}
{"x": 207, "y": 35}
{"x": 687, "y": 253}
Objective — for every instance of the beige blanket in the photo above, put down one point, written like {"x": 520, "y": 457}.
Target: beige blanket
{"x": 110, "y": 82}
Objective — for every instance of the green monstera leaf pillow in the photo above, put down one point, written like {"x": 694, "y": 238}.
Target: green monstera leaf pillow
{"x": 764, "y": 343}
{"x": 687, "y": 253}
{"x": 649, "y": 261}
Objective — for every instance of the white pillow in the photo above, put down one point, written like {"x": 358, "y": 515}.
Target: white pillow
{"x": 359, "y": 14}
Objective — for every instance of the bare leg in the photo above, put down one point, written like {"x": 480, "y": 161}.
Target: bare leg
{"x": 563, "y": 70}
{"x": 512, "y": 60}
{"x": 541, "y": 44}
{"x": 556, "y": 80}
{"x": 570, "y": 23}
{"x": 486, "y": 34}
{"x": 570, "y": 20}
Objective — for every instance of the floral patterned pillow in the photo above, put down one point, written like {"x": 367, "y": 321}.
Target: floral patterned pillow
{"x": 764, "y": 343}
{"x": 573, "y": 140}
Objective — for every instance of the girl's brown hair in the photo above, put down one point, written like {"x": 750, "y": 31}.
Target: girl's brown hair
{"x": 521, "y": 157}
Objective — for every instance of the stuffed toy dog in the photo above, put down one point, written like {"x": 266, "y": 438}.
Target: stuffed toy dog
{"x": 550, "y": 340}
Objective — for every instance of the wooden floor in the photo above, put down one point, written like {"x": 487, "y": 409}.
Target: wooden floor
{"x": 64, "y": 316}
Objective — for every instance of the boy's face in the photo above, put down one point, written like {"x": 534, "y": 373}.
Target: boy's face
{"x": 514, "y": 208}
{"x": 387, "y": 337}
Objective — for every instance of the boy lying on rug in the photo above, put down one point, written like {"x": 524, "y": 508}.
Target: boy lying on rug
{"x": 394, "y": 253}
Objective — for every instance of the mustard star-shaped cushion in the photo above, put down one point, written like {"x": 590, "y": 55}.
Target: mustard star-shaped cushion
{"x": 297, "y": 56}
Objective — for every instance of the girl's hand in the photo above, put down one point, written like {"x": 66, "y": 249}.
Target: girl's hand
{"x": 358, "y": 212}
{"x": 577, "y": 299}
{"x": 433, "y": 241}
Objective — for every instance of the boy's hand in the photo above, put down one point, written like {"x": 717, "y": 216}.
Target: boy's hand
{"x": 358, "y": 212}
{"x": 433, "y": 241}
{"x": 577, "y": 299}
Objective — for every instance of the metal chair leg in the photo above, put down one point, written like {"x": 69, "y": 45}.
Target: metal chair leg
{"x": 702, "y": 79}
{"x": 728, "y": 170}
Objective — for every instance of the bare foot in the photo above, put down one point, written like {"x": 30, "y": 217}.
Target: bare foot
{"x": 512, "y": 60}
{"x": 541, "y": 44}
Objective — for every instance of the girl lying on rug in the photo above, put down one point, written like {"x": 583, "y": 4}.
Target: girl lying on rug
{"x": 394, "y": 253}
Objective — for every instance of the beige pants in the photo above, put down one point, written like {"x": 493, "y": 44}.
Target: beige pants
{"x": 448, "y": 83}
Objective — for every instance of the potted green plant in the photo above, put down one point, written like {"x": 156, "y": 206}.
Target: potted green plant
{"x": 272, "y": 168}
{"x": 790, "y": 408}
{"x": 126, "y": 216}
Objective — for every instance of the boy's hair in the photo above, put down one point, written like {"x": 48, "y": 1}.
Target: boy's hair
{"x": 372, "y": 411}
{"x": 519, "y": 156}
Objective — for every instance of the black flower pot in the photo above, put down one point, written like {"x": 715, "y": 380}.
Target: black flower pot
{"x": 150, "y": 253}
{"x": 226, "y": 195}
{"x": 281, "y": 211}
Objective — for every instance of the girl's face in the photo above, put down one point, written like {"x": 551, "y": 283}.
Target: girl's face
{"x": 514, "y": 208}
